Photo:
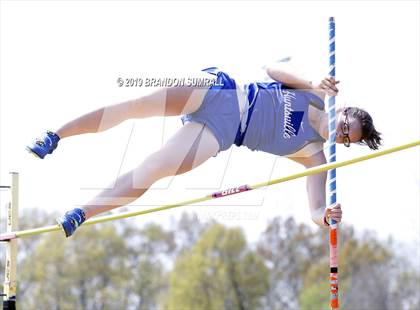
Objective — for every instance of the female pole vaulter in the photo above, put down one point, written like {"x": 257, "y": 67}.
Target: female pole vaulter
{"x": 284, "y": 117}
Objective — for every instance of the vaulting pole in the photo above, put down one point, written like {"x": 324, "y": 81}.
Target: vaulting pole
{"x": 332, "y": 174}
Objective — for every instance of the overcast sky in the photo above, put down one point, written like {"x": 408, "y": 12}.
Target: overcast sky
{"x": 61, "y": 59}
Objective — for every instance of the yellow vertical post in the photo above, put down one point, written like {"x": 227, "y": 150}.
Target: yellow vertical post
{"x": 10, "y": 281}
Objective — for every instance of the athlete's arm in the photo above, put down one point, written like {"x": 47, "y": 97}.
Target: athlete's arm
{"x": 288, "y": 77}
{"x": 315, "y": 187}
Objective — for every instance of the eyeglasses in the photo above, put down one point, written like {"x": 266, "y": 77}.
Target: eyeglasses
{"x": 345, "y": 128}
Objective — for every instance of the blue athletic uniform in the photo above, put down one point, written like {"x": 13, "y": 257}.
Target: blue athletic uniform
{"x": 276, "y": 118}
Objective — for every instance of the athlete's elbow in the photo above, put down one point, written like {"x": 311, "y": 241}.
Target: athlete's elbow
{"x": 318, "y": 218}
{"x": 270, "y": 70}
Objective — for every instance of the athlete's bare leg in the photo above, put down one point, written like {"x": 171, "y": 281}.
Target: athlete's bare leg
{"x": 161, "y": 102}
{"x": 191, "y": 146}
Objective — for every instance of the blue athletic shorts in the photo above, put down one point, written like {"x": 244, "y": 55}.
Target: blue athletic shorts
{"x": 219, "y": 110}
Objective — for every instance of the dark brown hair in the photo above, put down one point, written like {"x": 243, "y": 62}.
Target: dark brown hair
{"x": 370, "y": 136}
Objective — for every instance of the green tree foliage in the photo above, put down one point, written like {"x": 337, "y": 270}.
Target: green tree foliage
{"x": 98, "y": 268}
{"x": 80, "y": 272}
{"x": 370, "y": 276}
{"x": 220, "y": 272}
{"x": 150, "y": 248}
{"x": 188, "y": 229}
{"x": 289, "y": 249}
{"x": 195, "y": 265}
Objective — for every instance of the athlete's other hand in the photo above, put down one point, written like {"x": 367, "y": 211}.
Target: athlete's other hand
{"x": 328, "y": 86}
{"x": 334, "y": 213}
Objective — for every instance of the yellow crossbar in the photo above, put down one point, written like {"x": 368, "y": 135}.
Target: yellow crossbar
{"x": 311, "y": 171}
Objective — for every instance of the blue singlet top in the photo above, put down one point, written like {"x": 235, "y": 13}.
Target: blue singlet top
{"x": 277, "y": 119}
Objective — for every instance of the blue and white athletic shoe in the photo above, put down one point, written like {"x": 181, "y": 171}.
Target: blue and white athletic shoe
{"x": 44, "y": 145}
{"x": 71, "y": 220}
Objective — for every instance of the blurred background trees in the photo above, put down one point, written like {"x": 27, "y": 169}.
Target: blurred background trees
{"x": 206, "y": 265}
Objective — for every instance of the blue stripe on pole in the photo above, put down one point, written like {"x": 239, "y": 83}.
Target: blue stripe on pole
{"x": 331, "y": 117}
{"x": 331, "y": 126}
